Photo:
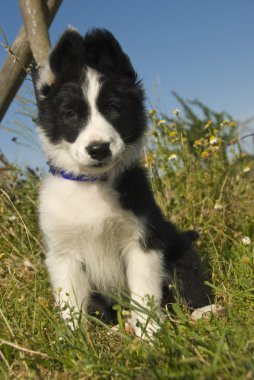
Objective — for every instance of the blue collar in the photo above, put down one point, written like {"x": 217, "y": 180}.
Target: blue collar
{"x": 80, "y": 178}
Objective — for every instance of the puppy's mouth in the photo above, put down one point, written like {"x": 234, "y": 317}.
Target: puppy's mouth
{"x": 105, "y": 164}
{"x": 97, "y": 166}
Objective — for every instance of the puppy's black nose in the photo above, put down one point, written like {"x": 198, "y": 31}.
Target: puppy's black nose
{"x": 98, "y": 151}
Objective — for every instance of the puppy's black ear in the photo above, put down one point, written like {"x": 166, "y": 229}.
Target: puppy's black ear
{"x": 67, "y": 58}
{"x": 103, "y": 53}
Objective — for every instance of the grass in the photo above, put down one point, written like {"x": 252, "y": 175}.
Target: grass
{"x": 202, "y": 179}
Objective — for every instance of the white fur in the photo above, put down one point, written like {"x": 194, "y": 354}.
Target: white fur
{"x": 97, "y": 129}
{"x": 46, "y": 78}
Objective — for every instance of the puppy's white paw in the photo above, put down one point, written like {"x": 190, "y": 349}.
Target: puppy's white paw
{"x": 71, "y": 317}
{"x": 206, "y": 311}
{"x": 140, "y": 326}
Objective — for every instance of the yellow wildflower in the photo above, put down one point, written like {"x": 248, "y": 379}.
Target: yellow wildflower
{"x": 172, "y": 134}
{"x": 205, "y": 154}
{"x": 213, "y": 140}
{"x": 208, "y": 124}
{"x": 161, "y": 122}
{"x": 176, "y": 112}
{"x": 246, "y": 169}
{"x": 246, "y": 260}
{"x": 232, "y": 123}
{"x": 198, "y": 142}
{"x": 172, "y": 125}
{"x": 172, "y": 156}
{"x": 152, "y": 112}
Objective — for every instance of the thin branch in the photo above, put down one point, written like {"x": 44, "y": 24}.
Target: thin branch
{"x": 11, "y": 52}
{"x": 23, "y": 349}
{"x": 244, "y": 137}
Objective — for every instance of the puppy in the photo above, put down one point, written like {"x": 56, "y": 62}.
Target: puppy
{"x": 103, "y": 230}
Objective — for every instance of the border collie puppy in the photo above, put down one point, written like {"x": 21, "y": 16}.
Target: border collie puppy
{"x": 103, "y": 230}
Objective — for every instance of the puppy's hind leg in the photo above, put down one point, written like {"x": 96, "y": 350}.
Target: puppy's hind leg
{"x": 190, "y": 280}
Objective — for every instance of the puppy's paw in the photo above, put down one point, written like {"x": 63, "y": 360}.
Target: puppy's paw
{"x": 206, "y": 311}
{"x": 141, "y": 326}
{"x": 71, "y": 316}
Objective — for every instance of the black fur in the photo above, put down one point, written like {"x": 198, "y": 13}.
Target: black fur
{"x": 67, "y": 59}
{"x": 116, "y": 99}
{"x": 55, "y": 112}
{"x": 103, "y": 53}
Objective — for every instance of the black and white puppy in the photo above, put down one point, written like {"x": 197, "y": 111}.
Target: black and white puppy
{"x": 103, "y": 230}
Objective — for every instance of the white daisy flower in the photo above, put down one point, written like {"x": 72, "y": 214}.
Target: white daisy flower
{"x": 246, "y": 240}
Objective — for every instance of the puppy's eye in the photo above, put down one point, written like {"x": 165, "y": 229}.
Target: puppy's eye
{"x": 71, "y": 115}
{"x": 114, "y": 107}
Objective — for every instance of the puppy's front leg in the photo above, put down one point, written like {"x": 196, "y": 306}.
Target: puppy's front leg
{"x": 144, "y": 272}
{"x": 70, "y": 285}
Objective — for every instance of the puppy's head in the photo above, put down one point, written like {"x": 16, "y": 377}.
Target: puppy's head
{"x": 91, "y": 104}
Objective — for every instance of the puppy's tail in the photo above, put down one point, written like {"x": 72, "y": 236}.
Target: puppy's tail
{"x": 190, "y": 235}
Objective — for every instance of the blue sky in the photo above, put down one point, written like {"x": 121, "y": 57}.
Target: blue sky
{"x": 201, "y": 49}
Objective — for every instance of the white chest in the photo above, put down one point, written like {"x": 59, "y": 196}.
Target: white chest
{"x": 85, "y": 220}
